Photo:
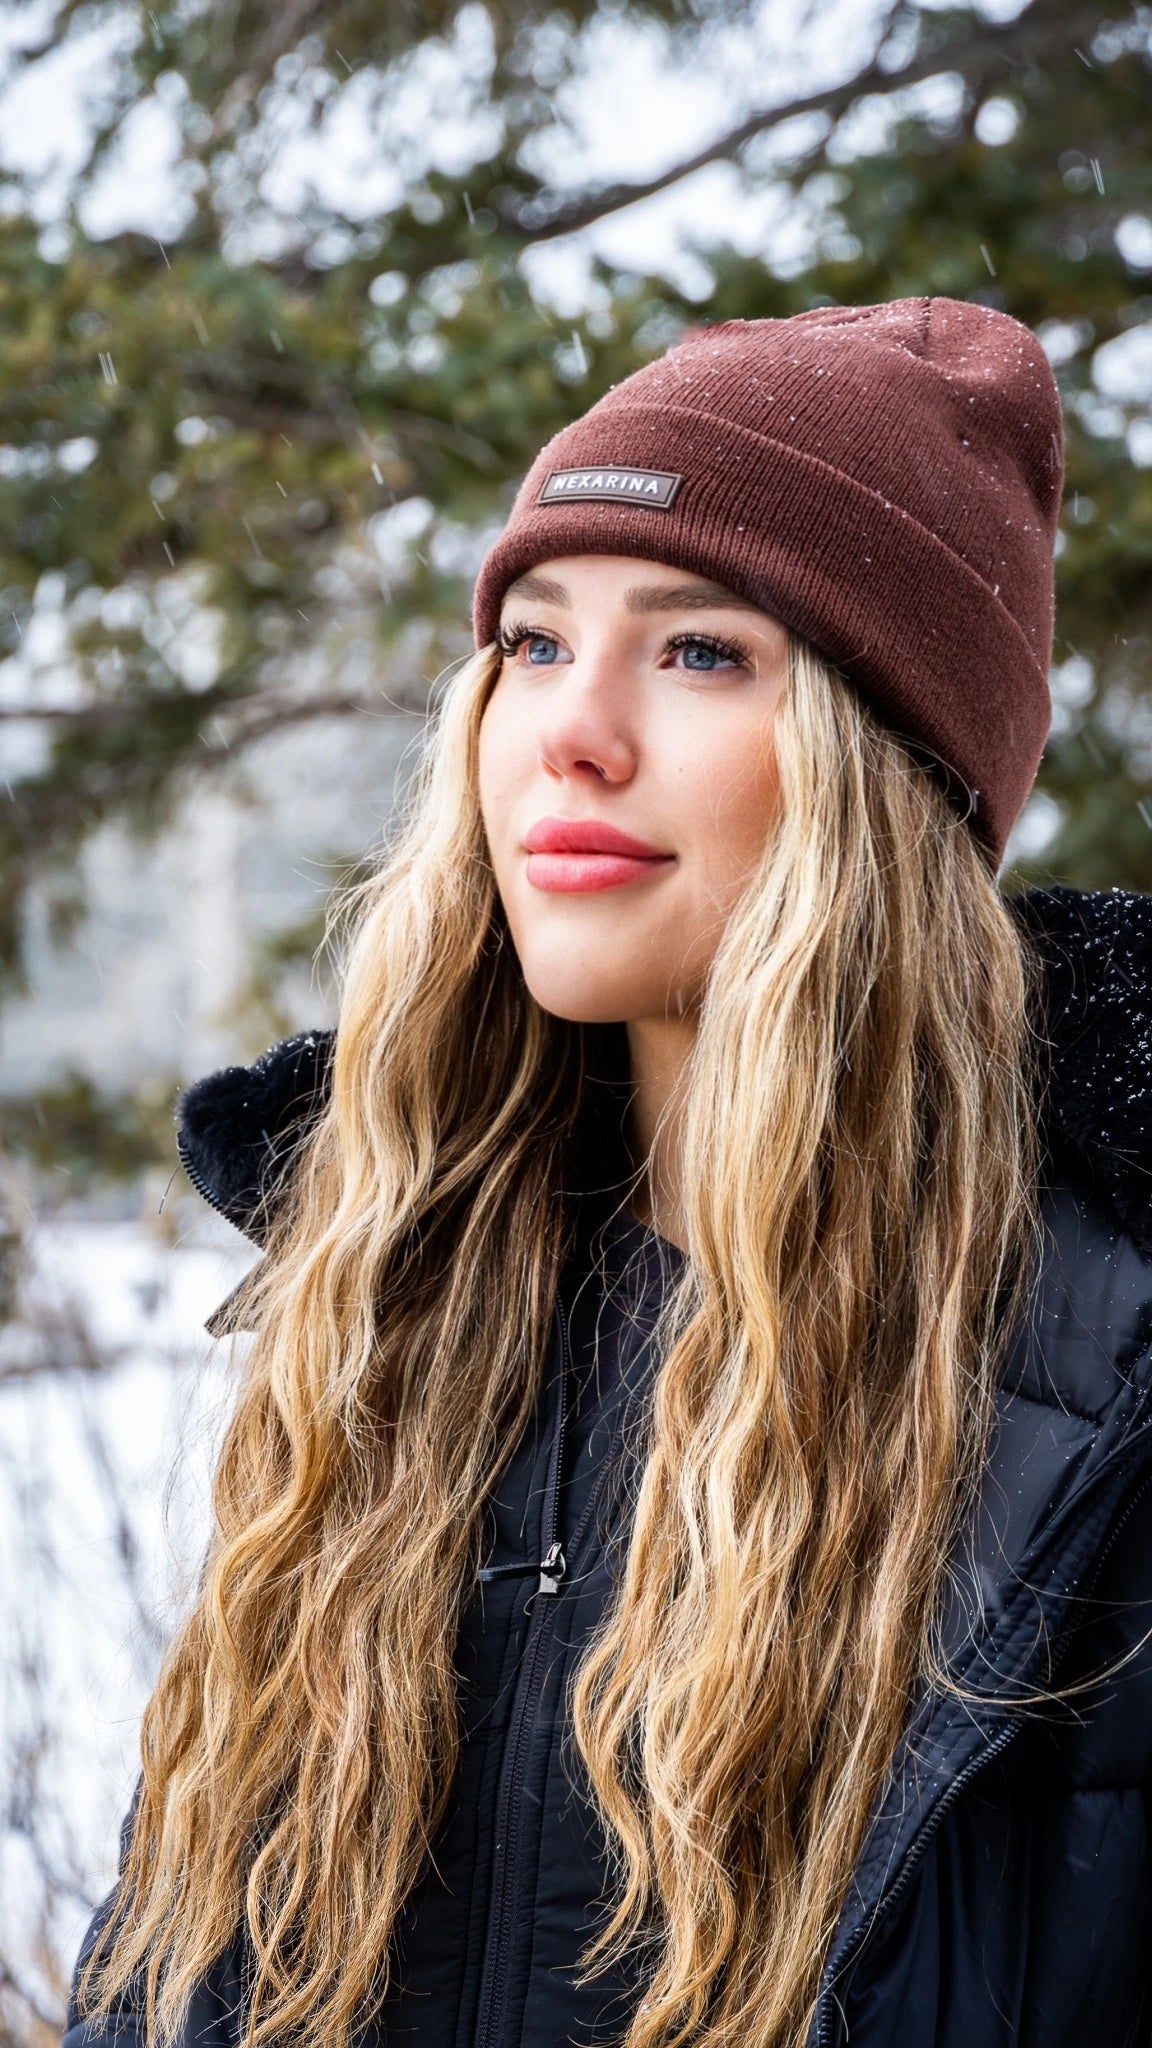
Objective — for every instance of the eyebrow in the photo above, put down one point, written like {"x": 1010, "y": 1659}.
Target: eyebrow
{"x": 642, "y": 597}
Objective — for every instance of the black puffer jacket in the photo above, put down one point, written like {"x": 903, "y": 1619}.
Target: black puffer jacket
{"x": 1004, "y": 1894}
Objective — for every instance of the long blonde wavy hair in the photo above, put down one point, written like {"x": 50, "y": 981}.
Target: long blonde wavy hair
{"x": 861, "y": 1209}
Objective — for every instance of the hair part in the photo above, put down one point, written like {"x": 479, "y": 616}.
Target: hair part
{"x": 860, "y": 1203}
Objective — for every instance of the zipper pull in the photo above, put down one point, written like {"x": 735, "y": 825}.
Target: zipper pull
{"x": 552, "y": 1569}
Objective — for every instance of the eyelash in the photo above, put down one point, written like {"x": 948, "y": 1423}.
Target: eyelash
{"x": 511, "y": 637}
{"x": 732, "y": 650}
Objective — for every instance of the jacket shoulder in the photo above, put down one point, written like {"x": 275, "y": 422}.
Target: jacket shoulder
{"x": 1088, "y": 1335}
{"x": 1093, "y": 1032}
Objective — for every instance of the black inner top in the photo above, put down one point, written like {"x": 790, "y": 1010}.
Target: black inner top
{"x": 610, "y": 1297}
{"x": 616, "y": 1276}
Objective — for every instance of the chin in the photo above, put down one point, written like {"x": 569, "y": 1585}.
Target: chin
{"x": 580, "y": 997}
{"x": 579, "y": 1008}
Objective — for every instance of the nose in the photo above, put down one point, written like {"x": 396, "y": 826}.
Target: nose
{"x": 585, "y": 726}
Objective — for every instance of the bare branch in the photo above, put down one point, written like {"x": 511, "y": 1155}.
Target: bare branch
{"x": 979, "y": 55}
{"x": 270, "y": 709}
{"x": 341, "y": 426}
{"x": 292, "y": 18}
{"x": 54, "y": 1340}
{"x": 127, "y": 1545}
{"x": 49, "y": 713}
{"x": 303, "y": 423}
{"x": 10, "y": 1983}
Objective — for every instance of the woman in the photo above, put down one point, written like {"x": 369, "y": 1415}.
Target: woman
{"x": 682, "y": 1544}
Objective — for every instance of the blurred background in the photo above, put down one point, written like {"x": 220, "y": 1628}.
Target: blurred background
{"x": 289, "y": 298}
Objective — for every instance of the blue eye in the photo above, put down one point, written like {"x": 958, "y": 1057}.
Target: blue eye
{"x": 540, "y": 648}
{"x": 703, "y": 652}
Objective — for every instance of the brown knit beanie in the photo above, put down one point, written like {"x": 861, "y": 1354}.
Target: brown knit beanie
{"x": 884, "y": 480}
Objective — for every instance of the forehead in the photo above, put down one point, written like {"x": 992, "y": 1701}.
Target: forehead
{"x": 650, "y": 588}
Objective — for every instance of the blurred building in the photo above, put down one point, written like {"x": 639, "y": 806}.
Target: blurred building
{"x": 167, "y": 973}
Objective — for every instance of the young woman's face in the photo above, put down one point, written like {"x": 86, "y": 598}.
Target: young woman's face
{"x": 638, "y": 698}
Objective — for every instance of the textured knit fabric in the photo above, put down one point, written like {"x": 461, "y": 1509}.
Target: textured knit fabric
{"x": 884, "y": 480}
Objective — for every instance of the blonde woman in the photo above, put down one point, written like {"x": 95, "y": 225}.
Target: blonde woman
{"x": 683, "y": 1548}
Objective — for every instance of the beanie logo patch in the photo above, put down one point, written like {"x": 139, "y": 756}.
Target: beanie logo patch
{"x": 655, "y": 487}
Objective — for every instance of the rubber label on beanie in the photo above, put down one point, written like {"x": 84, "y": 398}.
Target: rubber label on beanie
{"x": 655, "y": 487}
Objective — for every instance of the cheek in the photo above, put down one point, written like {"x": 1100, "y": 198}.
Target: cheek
{"x": 728, "y": 799}
{"x": 502, "y": 766}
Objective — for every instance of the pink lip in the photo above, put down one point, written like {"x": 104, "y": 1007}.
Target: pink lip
{"x": 574, "y": 855}
{"x": 586, "y": 835}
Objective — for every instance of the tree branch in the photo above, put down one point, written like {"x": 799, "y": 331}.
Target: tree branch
{"x": 271, "y": 711}
{"x": 341, "y": 426}
{"x": 10, "y": 1983}
{"x": 976, "y": 55}
{"x": 293, "y": 17}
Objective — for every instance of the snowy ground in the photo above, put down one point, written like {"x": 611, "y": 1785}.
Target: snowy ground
{"x": 108, "y": 1426}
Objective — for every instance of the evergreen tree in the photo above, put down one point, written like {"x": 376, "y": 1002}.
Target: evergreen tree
{"x": 216, "y": 419}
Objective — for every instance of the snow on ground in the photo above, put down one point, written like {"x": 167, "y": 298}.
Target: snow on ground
{"x": 106, "y": 1450}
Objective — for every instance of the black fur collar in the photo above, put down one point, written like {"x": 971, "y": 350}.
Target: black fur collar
{"x": 1096, "y": 947}
{"x": 239, "y": 1128}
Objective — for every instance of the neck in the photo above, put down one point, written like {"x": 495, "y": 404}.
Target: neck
{"x": 658, "y": 1051}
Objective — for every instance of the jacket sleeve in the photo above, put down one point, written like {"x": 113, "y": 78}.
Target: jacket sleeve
{"x": 215, "y": 2014}
{"x": 1144, "y": 2032}
{"x": 123, "y": 2026}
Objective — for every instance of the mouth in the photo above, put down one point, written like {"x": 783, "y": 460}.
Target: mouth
{"x": 575, "y": 855}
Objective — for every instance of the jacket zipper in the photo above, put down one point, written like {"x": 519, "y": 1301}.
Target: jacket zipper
{"x": 501, "y": 1893}
{"x": 948, "y": 1799}
{"x": 553, "y": 1565}
{"x": 552, "y": 1568}
{"x": 984, "y": 1757}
